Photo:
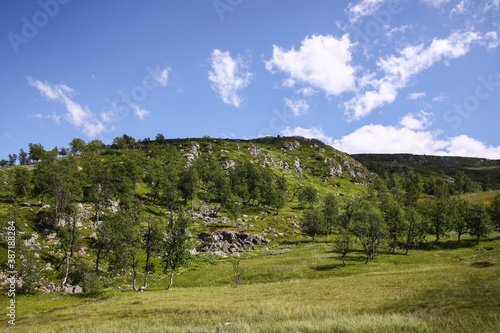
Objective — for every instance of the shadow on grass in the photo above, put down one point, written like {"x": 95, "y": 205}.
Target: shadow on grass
{"x": 452, "y": 244}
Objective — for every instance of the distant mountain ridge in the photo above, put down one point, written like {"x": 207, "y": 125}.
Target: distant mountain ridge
{"x": 476, "y": 168}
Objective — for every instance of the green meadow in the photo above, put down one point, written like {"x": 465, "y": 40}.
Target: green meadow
{"x": 296, "y": 287}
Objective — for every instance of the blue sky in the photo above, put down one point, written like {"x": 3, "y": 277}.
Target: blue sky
{"x": 370, "y": 76}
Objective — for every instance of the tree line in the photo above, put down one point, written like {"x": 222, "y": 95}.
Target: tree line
{"x": 130, "y": 240}
{"x": 396, "y": 214}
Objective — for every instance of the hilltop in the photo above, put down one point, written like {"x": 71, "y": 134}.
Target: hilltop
{"x": 307, "y": 237}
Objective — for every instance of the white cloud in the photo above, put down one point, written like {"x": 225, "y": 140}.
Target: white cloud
{"x": 465, "y": 146}
{"x": 306, "y": 91}
{"x": 458, "y": 9}
{"x": 299, "y": 107}
{"x": 321, "y": 62}
{"x": 398, "y": 69}
{"x": 393, "y": 139}
{"x": 390, "y": 139}
{"x": 491, "y": 39}
{"x": 160, "y": 75}
{"x": 53, "y": 116}
{"x": 228, "y": 76}
{"x": 435, "y": 3}
{"x": 492, "y": 4}
{"x": 415, "y": 96}
{"x": 140, "y": 112}
{"x": 362, "y": 9}
{"x": 312, "y": 133}
{"x": 77, "y": 115}
{"x": 390, "y": 32}
{"x": 418, "y": 121}
{"x": 439, "y": 98}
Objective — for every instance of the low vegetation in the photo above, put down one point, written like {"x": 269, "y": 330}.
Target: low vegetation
{"x": 345, "y": 249}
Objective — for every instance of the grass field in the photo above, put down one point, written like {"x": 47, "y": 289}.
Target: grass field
{"x": 296, "y": 287}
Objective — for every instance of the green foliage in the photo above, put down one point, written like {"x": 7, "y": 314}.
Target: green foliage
{"x": 92, "y": 284}
{"x": 313, "y": 222}
{"x": 367, "y": 224}
{"x": 308, "y": 195}
{"x": 36, "y": 152}
{"x": 330, "y": 211}
{"x": 478, "y": 221}
{"x": 176, "y": 244}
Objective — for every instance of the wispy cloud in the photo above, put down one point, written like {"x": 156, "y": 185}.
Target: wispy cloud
{"x": 140, "y": 112}
{"x": 397, "y": 70}
{"x": 53, "y": 116}
{"x": 299, "y": 107}
{"x": 228, "y": 76}
{"x": 435, "y": 3}
{"x": 415, "y": 96}
{"x": 77, "y": 115}
{"x": 160, "y": 75}
{"x": 417, "y": 121}
{"x": 362, "y": 9}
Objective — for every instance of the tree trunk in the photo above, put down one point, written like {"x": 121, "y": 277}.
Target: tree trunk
{"x": 343, "y": 259}
{"x": 477, "y": 241}
{"x": 146, "y": 280}
{"x": 459, "y": 235}
{"x": 98, "y": 259}
{"x": 135, "y": 276}
{"x": 171, "y": 279}
{"x": 27, "y": 196}
{"x": 437, "y": 238}
{"x": 65, "y": 278}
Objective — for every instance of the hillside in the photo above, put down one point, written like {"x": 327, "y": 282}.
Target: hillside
{"x": 274, "y": 234}
{"x": 475, "y": 168}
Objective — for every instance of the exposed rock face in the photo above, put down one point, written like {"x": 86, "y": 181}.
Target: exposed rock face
{"x": 296, "y": 165}
{"x": 291, "y": 146}
{"x": 336, "y": 170}
{"x": 254, "y": 150}
{"x": 229, "y": 241}
{"x": 67, "y": 288}
{"x": 227, "y": 164}
{"x": 209, "y": 216}
{"x": 194, "y": 153}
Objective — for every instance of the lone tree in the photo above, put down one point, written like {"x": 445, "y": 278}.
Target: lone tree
{"x": 367, "y": 224}
{"x": 176, "y": 245}
{"x": 343, "y": 245}
{"x": 313, "y": 222}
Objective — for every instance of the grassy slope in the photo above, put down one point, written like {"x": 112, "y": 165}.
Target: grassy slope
{"x": 294, "y": 286}
{"x": 304, "y": 289}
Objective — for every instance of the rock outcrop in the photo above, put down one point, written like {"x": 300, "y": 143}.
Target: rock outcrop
{"x": 229, "y": 242}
